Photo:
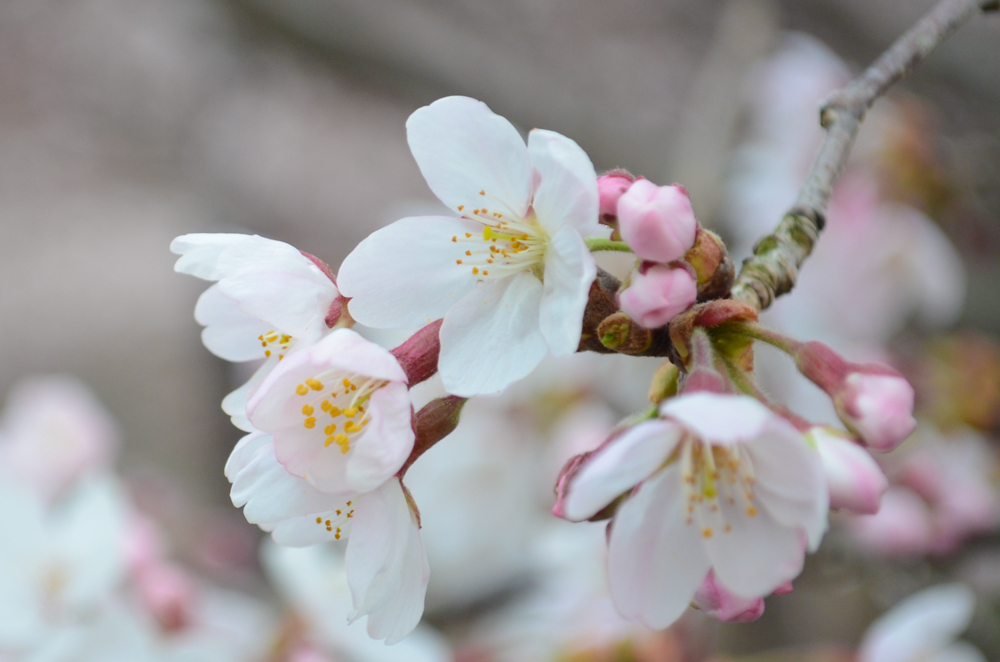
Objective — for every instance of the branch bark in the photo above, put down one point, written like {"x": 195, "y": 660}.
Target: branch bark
{"x": 774, "y": 266}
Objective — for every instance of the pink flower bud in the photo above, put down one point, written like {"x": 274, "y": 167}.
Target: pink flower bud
{"x": 718, "y": 602}
{"x": 168, "y": 593}
{"x": 658, "y": 293}
{"x": 874, "y": 401}
{"x": 855, "y": 481}
{"x": 657, "y": 221}
{"x": 610, "y": 188}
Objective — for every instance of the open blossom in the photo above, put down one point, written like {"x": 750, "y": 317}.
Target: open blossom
{"x": 270, "y": 299}
{"x": 717, "y": 483}
{"x": 511, "y": 274}
{"x": 717, "y": 601}
{"x": 340, "y": 413}
{"x": 386, "y": 567}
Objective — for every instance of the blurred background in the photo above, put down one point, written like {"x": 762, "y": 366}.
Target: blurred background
{"x": 124, "y": 123}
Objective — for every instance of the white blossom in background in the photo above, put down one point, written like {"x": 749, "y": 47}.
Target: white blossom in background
{"x": 717, "y": 483}
{"x": 269, "y": 299}
{"x": 510, "y": 274}
{"x": 923, "y": 627}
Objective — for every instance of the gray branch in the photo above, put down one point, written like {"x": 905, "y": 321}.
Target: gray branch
{"x": 774, "y": 266}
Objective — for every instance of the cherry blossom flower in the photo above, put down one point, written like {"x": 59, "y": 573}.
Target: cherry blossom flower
{"x": 270, "y": 299}
{"x": 340, "y": 413}
{"x": 717, "y": 483}
{"x": 386, "y": 567}
{"x": 510, "y": 275}
{"x": 923, "y": 627}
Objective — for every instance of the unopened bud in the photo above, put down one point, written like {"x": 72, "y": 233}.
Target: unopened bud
{"x": 854, "y": 479}
{"x": 874, "y": 401}
{"x": 623, "y": 334}
{"x": 665, "y": 383}
{"x": 723, "y": 605}
{"x": 418, "y": 355}
{"x": 657, "y": 222}
{"x": 610, "y": 188}
{"x": 713, "y": 268}
{"x": 703, "y": 375}
{"x": 168, "y": 594}
{"x": 435, "y": 421}
{"x": 657, "y": 293}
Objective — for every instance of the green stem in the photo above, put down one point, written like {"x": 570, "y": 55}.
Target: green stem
{"x": 773, "y": 338}
{"x": 597, "y": 244}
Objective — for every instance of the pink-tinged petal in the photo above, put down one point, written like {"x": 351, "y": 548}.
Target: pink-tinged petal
{"x": 657, "y": 221}
{"x": 235, "y": 403}
{"x": 305, "y": 531}
{"x": 721, "y": 604}
{"x": 569, "y": 272}
{"x": 491, "y": 338}
{"x": 469, "y": 155}
{"x": 243, "y": 453}
{"x": 718, "y": 418}
{"x": 855, "y": 480}
{"x": 752, "y": 555}
{"x": 657, "y": 294}
{"x": 617, "y": 467}
{"x": 921, "y": 625}
{"x": 567, "y": 188}
{"x": 387, "y": 570}
{"x": 902, "y": 526}
{"x": 269, "y": 494}
{"x": 879, "y": 408}
{"x": 291, "y": 303}
{"x": 408, "y": 274}
{"x": 200, "y": 252}
{"x": 656, "y": 561}
{"x": 257, "y": 253}
{"x": 789, "y": 479}
{"x": 229, "y": 332}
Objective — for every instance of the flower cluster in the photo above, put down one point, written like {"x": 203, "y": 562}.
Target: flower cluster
{"x": 715, "y": 495}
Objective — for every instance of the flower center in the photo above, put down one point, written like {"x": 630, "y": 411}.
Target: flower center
{"x": 337, "y": 521}
{"x": 714, "y": 473}
{"x": 508, "y": 245}
{"x": 273, "y": 341}
{"x": 334, "y": 404}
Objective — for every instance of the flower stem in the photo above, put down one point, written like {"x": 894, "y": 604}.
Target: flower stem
{"x": 763, "y": 334}
{"x": 596, "y": 244}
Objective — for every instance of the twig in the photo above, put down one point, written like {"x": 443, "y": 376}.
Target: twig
{"x": 774, "y": 267}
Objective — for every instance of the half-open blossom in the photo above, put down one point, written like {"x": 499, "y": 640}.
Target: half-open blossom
{"x": 340, "y": 413}
{"x": 511, "y": 274}
{"x": 717, "y": 483}
{"x": 657, "y": 221}
{"x": 923, "y": 627}
{"x": 386, "y": 567}
{"x": 854, "y": 479}
{"x": 657, "y": 293}
{"x": 270, "y": 298}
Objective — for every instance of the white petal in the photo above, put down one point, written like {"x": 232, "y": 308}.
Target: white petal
{"x": 656, "y": 561}
{"x": 243, "y": 452}
{"x": 200, "y": 252}
{"x": 567, "y": 191}
{"x": 463, "y": 148}
{"x": 790, "y": 481}
{"x": 619, "y": 466}
{"x": 718, "y": 418}
{"x": 959, "y": 651}
{"x": 229, "y": 332}
{"x": 756, "y": 554}
{"x": 491, "y": 338}
{"x": 405, "y": 275}
{"x": 386, "y": 567}
{"x": 569, "y": 272}
{"x": 271, "y": 494}
{"x": 235, "y": 403}
{"x": 925, "y": 621}
{"x": 291, "y": 303}
{"x": 305, "y": 531}
{"x": 262, "y": 254}
{"x": 386, "y": 442}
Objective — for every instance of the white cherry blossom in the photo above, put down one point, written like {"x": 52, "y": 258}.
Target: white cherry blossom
{"x": 511, "y": 274}
{"x": 269, "y": 300}
{"x": 719, "y": 483}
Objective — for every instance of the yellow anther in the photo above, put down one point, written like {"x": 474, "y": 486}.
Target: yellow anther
{"x": 707, "y": 532}
{"x": 285, "y": 339}
{"x": 352, "y": 426}
{"x": 751, "y": 511}
{"x": 335, "y": 411}
{"x": 267, "y": 353}
{"x": 338, "y": 512}
{"x": 343, "y": 441}
{"x": 461, "y": 207}
{"x": 308, "y": 410}
{"x": 729, "y": 527}
{"x": 314, "y": 384}
{"x": 310, "y": 422}
{"x": 330, "y": 429}
{"x": 475, "y": 271}
{"x": 350, "y": 412}
{"x": 347, "y": 383}
{"x": 325, "y": 405}
{"x": 337, "y": 535}
{"x": 301, "y": 389}
{"x": 319, "y": 519}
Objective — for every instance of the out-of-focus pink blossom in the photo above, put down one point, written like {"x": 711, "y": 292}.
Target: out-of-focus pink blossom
{"x": 169, "y": 594}
{"x": 855, "y": 480}
{"x": 902, "y": 526}
{"x": 657, "y": 293}
{"x": 657, "y": 222}
{"x": 722, "y": 604}
{"x": 610, "y": 188}
{"x": 879, "y": 408}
